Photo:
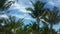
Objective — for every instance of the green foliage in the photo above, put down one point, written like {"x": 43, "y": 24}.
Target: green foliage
{"x": 5, "y": 4}
{"x": 53, "y": 17}
{"x": 10, "y": 24}
{"x": 37, "y": 11}
{"x": 13, "y": 26}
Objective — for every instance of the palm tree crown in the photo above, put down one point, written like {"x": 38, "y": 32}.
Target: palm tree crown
{"x": 37, "y": 10}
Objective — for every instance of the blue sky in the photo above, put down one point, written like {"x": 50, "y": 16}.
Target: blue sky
{"x": 18, "y": 9}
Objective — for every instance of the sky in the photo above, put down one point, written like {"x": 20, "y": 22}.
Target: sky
{"x": 18, "y": 9}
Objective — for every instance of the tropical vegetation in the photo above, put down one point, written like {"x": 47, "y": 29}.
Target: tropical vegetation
{"x": 14, "y": 25}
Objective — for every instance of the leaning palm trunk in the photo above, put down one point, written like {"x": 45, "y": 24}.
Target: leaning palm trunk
{"x": 51, "y": 29}
{"x": 38, "y": 29}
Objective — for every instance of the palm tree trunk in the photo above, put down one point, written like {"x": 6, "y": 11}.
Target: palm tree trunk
{"x": 38, "y": 29}
{"x": 51, "y": 29}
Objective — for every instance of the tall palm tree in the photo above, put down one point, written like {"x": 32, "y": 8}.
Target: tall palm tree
{"x": 37, "y": 11}
{"x": 53, "y": 17}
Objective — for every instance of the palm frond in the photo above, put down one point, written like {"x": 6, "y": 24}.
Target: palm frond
{"x": 53, "y": 16}
{"x": 32, "y": 3}
{"x": 8, "y": 4}
{"x": 32, "y": 15}
{"x": 5, "y": 4}
{"x": 46, "y": 19}
{"x": 29, "y": 9}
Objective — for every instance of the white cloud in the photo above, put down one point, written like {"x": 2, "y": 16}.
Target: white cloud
{"x": 11, "y": 0}
{"x": 20, "y": 7}
{"x": 57, "y": 3}
{"x": 25, "y": 16}
{"x": 3, "y": 16}
{"x": 29, "y": 18}
{"x": 19, "y": 16}
{"x": 52, "y": 3}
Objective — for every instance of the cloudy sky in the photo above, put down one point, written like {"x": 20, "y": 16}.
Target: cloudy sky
{"x": 18, "y": 9}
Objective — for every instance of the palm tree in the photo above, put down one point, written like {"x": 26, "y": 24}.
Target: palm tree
{"x": 33, "y": 27}
{"x": 26, "y": 29}
{"x": 53, "y": 17}
{"x": 37, "y": 11}
{"x": 15, "y": 24}
{"x": 10, "y": 24}
{"x": 4, "y": 5}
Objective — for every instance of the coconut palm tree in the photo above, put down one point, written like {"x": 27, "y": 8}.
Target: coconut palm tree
{"x": 26, "y": 29}
{"x": 53, "y": 17}
{"x": 10, "y": 24}
{"x": 4, "y": 5}
{"x": 33, "y": 27}
{"x": 37, "y": 11}
{"x": 15, "y": 24}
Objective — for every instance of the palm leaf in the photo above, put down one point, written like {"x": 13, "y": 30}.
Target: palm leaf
{"x": 4, "y": 5}
{"x": 32, "y": 15}
{"x": 32, "y": 3}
